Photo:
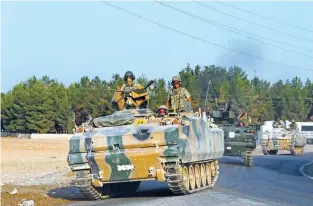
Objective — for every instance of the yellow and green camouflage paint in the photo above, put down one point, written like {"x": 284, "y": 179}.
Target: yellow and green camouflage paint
{"x": 282, "y": 139}
{"x": 135, "y": 152}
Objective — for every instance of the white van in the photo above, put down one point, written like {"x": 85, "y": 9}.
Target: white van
{"x": 306, "y": 129}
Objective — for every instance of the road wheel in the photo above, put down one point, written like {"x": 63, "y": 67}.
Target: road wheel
{"x": 203, "y": 175}
{"x": 197, "y": 176}
{"x": 192, "y": 179}
{"x": 208, "y": 174}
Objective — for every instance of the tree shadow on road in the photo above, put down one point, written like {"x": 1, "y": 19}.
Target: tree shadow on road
{"x": 231, "y": 160}
{"x": 283, "y": 163}
{"x": 146, "y": 189}
{"x": 68, "y": 193}
{"x": 149, "y": 189}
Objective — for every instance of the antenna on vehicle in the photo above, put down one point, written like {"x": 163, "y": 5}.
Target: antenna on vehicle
{"x": 150, "y": 83}
{"x": 205, "y": 103}
{"x": 206, "y": 96}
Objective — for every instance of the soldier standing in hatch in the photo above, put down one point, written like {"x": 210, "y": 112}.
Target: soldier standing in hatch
{"x": 129, "y": 82}
{"x": 278, "y": 123}
{"x": 292, "y": 126}
{"x": 162, "y": 111}
{"x": 178, "y": 95}
{"x": 245, "y": 118}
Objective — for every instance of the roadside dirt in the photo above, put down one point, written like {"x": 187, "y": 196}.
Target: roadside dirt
{"x": 41, "y": 195}
{"x": 33, "y": 162}
{"x": 38, "y": 170}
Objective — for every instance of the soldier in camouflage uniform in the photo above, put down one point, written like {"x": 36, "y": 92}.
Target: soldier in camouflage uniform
{"x": 129, "y": 82}
{"x": 178, "y": 96}
{"x": 292, "y": 126}
{"x": 279, "y": 123}
{"x": 245, "y": 119}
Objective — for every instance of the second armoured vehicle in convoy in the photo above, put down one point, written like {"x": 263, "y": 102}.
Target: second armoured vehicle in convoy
{"x": 116, "y": 152}
{"x": 239, "y": 140}
{"x": 275, "y": 137}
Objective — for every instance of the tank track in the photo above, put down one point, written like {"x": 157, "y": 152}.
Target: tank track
{"x": 175, "y": 178}
{"x": 83, "y": 183}
{"x": 264, "y": 147}
{"x": 297, "y": 150}
{"x": 248, "y": 158}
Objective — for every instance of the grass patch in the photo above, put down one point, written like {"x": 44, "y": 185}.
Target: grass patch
{"x": 36, "y": 193}
{"x": 39, "y": 199}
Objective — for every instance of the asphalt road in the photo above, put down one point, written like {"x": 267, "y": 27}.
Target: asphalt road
{"x": 274, "y": 180}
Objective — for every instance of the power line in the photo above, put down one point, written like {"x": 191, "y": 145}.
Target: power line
{"x": 252, "y": 22}
{"x": 214, "y": 23}
{"x": 304, "y": 29}
{"x": 203, "y": 40}
{"x": 285, "y": 43}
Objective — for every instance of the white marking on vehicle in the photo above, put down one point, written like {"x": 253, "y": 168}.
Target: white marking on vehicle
{"x": 125, "y": 167}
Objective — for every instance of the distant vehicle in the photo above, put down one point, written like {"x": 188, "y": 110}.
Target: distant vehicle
{"x": 239, "y": 140}
{"x": 275, "y": 137}
{"x": 306, "y": 129}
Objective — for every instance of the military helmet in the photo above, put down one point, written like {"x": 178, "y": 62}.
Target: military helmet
{"x": 176, "y": 78}
{"x": 127, "y": 74}
{"x": 162, "y": 110}
{"x": 162, "y": 107}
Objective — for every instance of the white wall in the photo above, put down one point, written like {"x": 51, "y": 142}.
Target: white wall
{"x": 37, "y": 136}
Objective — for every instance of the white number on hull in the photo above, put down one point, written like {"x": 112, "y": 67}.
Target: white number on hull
{"x": 125, "y": 167}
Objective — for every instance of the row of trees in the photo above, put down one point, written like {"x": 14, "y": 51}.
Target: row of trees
{"x": 47, "y": 106}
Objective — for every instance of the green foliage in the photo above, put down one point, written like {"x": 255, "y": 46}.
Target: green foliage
{"x": 47, "y": 106}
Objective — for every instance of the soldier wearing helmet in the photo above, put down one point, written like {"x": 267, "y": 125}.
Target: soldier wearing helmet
{"x": 162, "y": 111}
{"x": 178, "y": 96}
{"x": 292, "y": 125}
{"x": 278, "y": 123}
{"x": 129, "y": 82}
{"x": 244, "y": 119}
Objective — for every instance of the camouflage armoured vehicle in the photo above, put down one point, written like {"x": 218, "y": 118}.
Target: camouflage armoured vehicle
{"x": 276, "y": 137}
{"x": 239, "y": 141}
{"x": 119, "y": 151}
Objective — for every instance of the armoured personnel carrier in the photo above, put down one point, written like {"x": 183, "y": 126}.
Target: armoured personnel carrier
{"x": 116, "y": 152}
{"x": 275, "y": 137}
{"x": 239, "y": 140}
